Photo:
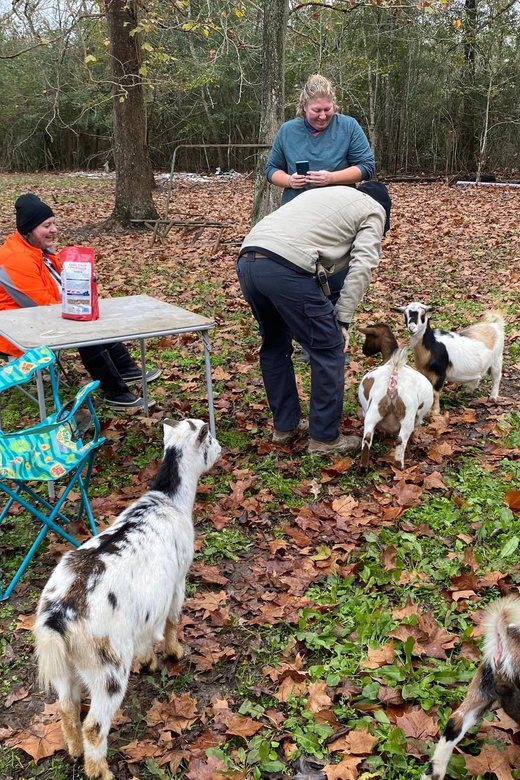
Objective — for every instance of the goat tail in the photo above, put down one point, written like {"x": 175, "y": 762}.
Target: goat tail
{"x": 396, "y": 362}
{"x": 398, "y": 359}
{"x": 51, "y": 654}
{"x": 502, "y": 641}
{"x": 494, "y": 317}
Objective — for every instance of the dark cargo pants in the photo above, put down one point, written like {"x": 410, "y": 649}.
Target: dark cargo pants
{"x": 287, "y": 301}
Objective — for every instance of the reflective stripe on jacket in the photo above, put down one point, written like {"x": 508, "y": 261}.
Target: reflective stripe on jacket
{"x": 24, "y": 280}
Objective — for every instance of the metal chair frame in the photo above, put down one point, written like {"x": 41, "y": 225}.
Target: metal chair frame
{"x": 66, "y": 419}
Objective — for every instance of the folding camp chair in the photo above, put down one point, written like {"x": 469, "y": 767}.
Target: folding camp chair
{"x": 46, "y": 452}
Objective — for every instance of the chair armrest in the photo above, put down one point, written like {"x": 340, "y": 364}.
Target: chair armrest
{"x": 64, "y": 415}
{"x": 22, "y": 369}
{"x": 68, "y": 409}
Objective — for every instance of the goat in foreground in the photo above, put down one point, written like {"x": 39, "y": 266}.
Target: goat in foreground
{"x": 496, "y": 680}
{"x": 464, "y": 356}
{"x": 110, "y": 600}
{"x": 394, "y": 397}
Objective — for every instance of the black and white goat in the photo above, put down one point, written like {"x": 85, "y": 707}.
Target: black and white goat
{"x": 497, "y": 680}
{"x": 464, "y": 356}
{"x": 394, "y": 397}
{"x": 112, "y": 599}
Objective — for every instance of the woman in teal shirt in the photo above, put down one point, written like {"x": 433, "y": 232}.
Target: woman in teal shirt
{"x": 335, "y": 147}
{"x": 333, "y": 144}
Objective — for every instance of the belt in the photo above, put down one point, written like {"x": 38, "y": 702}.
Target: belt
{"x": 280, "y": 261}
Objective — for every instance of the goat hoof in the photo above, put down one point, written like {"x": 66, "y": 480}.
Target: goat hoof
{"x": 75, "y": 750}
{"x": 148, "y": 663}
{"x": 174, "y": 650}
{"x": 98, "y": 770}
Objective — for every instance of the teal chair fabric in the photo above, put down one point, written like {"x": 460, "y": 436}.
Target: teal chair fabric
{"x": 52, "y": 450}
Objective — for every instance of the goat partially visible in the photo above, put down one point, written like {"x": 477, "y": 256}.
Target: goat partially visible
{"x": 497, "y": 680}
{"x": 113, "y": 598}
{"x": 394, "y": 397}
{"x": 464, "y": 356}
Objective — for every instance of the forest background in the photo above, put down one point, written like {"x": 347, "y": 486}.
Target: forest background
{"x": 434, "y": 84}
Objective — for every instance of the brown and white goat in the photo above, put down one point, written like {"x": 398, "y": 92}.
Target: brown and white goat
{"x": 497, "y": 680}
{"x": 394, "y": 397}
{"x": 463, "y": 356}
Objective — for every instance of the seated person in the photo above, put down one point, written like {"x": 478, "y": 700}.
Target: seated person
{"x": 30, "y": 276}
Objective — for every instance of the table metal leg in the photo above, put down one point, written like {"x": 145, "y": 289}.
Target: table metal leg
{"x": 209, "y": 385}
{"x": 143, "y": 371}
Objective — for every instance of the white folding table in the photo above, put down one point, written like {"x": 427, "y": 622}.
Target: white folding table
{"x": 129, "y": 318}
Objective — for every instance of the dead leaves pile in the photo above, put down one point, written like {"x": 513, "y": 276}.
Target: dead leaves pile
{"x": 294, "y": 549}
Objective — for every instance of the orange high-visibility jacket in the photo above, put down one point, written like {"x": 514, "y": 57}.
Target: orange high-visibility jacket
{"x": 25, "y": 280}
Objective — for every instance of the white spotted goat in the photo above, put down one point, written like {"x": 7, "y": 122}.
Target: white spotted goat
{"x": 112, "y": 599}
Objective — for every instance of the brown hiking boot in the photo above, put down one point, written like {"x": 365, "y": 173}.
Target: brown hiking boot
{"x": 283, "y": 437}
{"x": 341, "y": 444}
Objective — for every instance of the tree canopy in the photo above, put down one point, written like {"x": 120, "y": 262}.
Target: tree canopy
{"x": 433, "y": 83}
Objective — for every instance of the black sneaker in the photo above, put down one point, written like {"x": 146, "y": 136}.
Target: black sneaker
{"x": 134, "y": 376}
{"x": 126, "y": 401}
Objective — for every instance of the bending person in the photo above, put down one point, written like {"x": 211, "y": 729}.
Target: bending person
{"x": 282, "y": 269}
{"x": 30, "y": 275}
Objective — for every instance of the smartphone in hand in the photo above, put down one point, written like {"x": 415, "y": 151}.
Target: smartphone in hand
{"x": 302, "y": 167}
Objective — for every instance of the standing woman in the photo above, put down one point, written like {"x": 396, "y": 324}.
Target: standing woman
{"x": 333, "y": 144}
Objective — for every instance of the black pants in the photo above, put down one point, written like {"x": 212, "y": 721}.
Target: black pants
{"x": 106, "y": 362}
{"x": 287, "y": 301}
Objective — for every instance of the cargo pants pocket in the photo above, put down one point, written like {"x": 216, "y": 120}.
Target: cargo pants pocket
{"x": 324, "y": 331}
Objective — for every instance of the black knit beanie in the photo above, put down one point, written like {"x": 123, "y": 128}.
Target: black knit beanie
{"x": 378, "y": 191}
{"x": 31, "y": 212}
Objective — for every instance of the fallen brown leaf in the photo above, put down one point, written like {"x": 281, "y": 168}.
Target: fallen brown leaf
{"x": 490, "y": 759}
{"x": 240, "y": 726}
{"x": 346, "y": 770}
{"x": 416, "y": 723}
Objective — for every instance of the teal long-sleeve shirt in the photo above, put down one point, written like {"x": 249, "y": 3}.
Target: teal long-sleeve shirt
{"x": 342, "y": 144}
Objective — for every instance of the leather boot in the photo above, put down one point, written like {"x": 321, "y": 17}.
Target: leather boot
{"x": 116, "y": 392}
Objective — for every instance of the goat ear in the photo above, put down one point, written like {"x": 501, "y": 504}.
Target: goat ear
{"x": 203, "y": 434}
{"x": 429, "y": 308}
{"x": 400, "y": 309}
{"x": 368, "y": 331}
{"x": 169, "y": 430}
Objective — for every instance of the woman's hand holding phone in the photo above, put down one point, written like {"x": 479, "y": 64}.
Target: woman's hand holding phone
{"x": 299, "y": 180}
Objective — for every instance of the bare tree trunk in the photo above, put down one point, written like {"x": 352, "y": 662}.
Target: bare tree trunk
{"x": 485, "y": 130}
{"x": 373, "y": 89}
{"x": 273, "y": 100}
{"x": 388, "y": 134}
{"x": 132, "y": 163}
{"x": 468, "y": 135}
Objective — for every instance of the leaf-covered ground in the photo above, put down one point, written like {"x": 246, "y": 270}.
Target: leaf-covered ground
{"x": 332, "y": 621}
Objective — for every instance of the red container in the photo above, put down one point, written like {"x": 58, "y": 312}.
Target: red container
{"x": 79, "y": 298}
